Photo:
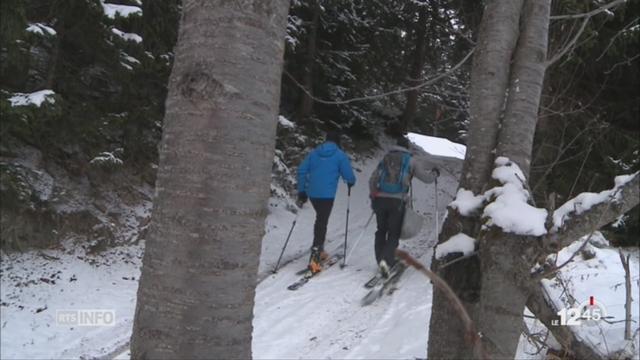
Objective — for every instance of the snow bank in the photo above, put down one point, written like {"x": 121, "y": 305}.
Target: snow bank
{"x": 461, "y": 243}
{"x": 40, "y": 29}
{"x": 34, "y": 98}
{"x": 587, "y": 200}
{"x": 438, "y": 146}
{"x": 466, "y": 203}
{"x": 113, "y": 10}
{"x": 127, "y": 36}
{"x": 509, "y": 210}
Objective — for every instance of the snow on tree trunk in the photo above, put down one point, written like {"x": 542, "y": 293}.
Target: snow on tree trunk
{"x": 195, "y": 298}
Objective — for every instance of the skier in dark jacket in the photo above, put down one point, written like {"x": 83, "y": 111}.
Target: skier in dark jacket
{"x": 388, "y": 189}
{"x": 318, "y": 177}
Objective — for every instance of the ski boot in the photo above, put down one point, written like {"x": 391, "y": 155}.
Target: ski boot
{"x": 384, "y": 270}
{"x": 315, "y": 260}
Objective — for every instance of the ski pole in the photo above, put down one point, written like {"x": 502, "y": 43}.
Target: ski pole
{"x": 355, "y": 245}
{"x": 346, "y": 228}
{"x": 275, "y": 270}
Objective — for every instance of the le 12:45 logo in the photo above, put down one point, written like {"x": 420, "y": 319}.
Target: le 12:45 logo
{"x": 588, "y": 313}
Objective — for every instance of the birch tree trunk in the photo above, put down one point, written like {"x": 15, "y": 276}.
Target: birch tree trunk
{"x": 195, "y": 298}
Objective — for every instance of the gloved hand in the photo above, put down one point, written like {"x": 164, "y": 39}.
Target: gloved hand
{"x": 350, "y": 185}
{"x": 372, "y": 198}
{"x": 436, "y": 172}
{"x": 302, "y": 198}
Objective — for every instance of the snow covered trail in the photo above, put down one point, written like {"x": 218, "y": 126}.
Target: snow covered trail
{"x": 324, "y": 318}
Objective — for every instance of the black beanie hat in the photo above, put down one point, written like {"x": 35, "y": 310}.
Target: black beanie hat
{"x": 333, "y": 136}
{"x": 403, "y": 141}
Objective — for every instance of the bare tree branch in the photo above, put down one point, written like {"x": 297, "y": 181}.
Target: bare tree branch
{"x": 590, "y": 13}
{"x": 569, "y": 46}
{"x": 385, "y": 94}
{"x": 472, "y": 335}
{"x": 613, "y": 39}
{"x": 628, "y": 196}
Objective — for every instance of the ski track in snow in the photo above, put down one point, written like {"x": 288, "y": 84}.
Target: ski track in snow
{"x": 324, "y": 318}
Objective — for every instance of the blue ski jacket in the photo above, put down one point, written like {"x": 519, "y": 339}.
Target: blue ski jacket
{"x": 319, "y": 172}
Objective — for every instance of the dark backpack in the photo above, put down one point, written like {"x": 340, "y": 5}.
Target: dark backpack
{"x": 393, "y": 169}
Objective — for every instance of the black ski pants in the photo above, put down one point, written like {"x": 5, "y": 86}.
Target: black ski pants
{"x": 389, "y": 214}
{"x": 323, "y": 210}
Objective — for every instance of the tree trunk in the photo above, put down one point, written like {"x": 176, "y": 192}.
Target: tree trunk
{"x": 195, "y": 298}
{"x": 415, "y": 74}
{"x": 489, "y": 80}
{"x": 306, "y": 103}
{"x": 521, "y": 115}
{"x": 504, "y": 266}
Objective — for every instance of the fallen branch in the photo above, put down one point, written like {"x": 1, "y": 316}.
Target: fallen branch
{"x": 472, "y": 336}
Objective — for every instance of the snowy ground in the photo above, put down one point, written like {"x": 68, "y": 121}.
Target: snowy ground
{"x": 37, "y": 284}
{"x": 323, "y": 319}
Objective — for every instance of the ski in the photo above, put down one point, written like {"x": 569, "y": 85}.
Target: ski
{"x": 307, "y": 275}
{"x": 378, "y": 290}
{"x": 373, "y": 281}
{"x": 328, "y": 260}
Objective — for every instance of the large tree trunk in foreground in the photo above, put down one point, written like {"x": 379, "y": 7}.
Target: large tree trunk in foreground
{"x": 195, "y": 298}
{"x": 506, "y": 255}
{"x": 506, "y": 258}
{"x": 489, "y": 80}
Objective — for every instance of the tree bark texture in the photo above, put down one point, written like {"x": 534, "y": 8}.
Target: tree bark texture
{"x": 415, "y": 74}
{"x": 196, "y": 292}
{"x": 527, "y": 75}
{"x": 490, "y": 72}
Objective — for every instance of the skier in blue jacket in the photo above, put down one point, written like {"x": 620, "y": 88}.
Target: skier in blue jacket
{"x": 318, "y": 177}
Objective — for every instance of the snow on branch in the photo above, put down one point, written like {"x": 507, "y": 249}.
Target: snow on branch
{"x": 459, "y": 243}
{"x": 466, "y": 202}
{"x": 590, "y": 211}
{"x": 510, "y": 208}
